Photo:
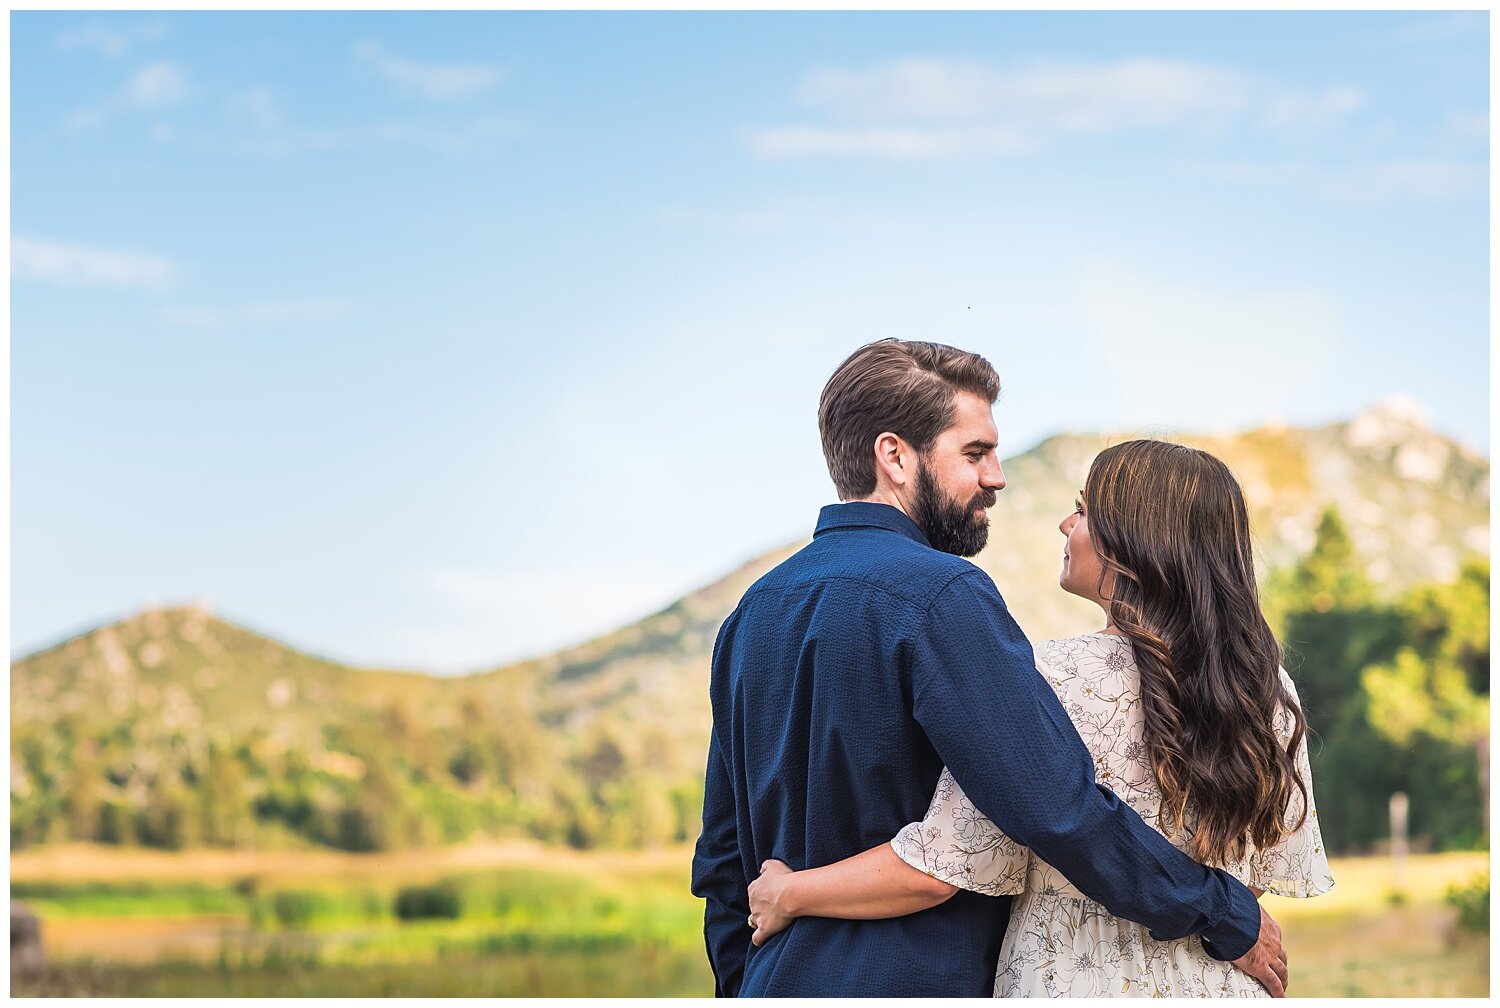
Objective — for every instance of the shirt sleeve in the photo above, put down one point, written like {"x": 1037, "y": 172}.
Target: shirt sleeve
{"x": 719, "y": 879}
{"x": 959, "y": 845}
{"x": 1298, "y": 865}
{"x": 974, "y": 678}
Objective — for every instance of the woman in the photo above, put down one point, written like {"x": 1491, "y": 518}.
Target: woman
{"x": 1191, "y": 720}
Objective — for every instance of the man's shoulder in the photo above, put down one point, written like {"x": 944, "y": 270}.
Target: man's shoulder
{"x": 888, "y": 562}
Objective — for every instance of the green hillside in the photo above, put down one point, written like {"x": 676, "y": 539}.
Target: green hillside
{"x": 178, "y": 728}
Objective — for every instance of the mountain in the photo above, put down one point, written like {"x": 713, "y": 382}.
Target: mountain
{"x": 604, "y": 741}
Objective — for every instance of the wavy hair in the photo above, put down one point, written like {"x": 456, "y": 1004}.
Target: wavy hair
{"x": 1170, "y": 523}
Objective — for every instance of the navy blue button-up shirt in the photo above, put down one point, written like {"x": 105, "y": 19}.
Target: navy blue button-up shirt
{"x": 842, "y": 683}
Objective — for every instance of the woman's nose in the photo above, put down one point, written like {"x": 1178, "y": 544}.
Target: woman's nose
{"x": 1066, "y": 525}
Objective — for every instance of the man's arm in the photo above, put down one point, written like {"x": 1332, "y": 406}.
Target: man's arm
{"x": 719, "y": 878}
{"x": 1005, "y": 736}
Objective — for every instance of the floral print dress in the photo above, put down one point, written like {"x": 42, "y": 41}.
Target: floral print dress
{"x": 1059, "y": 942}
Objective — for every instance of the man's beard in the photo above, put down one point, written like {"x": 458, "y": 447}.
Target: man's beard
{"x": 949, "y": 525}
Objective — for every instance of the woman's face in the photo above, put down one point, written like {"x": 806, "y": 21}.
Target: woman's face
{"x": 1081, "y": 567}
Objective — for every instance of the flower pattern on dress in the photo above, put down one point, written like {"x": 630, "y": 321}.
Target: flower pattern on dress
{"x": 1060, "y": 943}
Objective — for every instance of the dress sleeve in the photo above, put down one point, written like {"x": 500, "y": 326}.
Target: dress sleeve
{"x": 1298, "y": 865}
{"x": 974, "y": 680}
{"x": 957, "y": 844}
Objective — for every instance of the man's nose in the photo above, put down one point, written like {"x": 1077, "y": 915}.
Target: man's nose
{"x": 995, "y": 480}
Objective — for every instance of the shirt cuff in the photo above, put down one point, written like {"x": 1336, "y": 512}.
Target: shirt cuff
{"x": 1240, "y": 929}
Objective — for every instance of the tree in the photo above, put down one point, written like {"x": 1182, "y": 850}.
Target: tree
{"x": 1391, "y": 691}
{"x": 1432, "y": 698}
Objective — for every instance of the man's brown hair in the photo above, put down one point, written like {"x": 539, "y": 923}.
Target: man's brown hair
{"x": 900, "y": 386}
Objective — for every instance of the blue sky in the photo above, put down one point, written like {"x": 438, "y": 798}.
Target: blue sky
{"x": 436, "y": 341}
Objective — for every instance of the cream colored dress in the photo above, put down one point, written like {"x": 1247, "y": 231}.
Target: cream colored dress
{"x": 1059, "y": 943}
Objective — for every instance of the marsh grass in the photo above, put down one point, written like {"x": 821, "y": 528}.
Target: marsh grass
{"x": 564, "y": 924}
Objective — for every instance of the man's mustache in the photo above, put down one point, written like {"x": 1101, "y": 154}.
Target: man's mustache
{"x": 984, "y": 499}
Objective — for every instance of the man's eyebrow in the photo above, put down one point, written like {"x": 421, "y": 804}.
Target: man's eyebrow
{"x": 986, "y": 445}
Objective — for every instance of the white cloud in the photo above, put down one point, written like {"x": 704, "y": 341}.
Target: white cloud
{"x": 936, "y": 107}
{"x": 1314, "y": 110}
{"x": 1380, "y": 182}
{"x": 157, "y": 85}
{"x": 442, "y": 81}
{"x": 1195, "y": 355}
{"x": 110, "y": 40}
{"x": 1067, "y": 97}
{"x": 49, "y": 261}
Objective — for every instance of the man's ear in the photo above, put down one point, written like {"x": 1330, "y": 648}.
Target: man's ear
{"x": 894, "y": 459}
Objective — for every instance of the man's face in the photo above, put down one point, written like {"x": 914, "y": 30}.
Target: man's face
{"x": 957, "y": 479}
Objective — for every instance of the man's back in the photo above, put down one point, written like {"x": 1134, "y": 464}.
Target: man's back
{"x": 819, "y": 758}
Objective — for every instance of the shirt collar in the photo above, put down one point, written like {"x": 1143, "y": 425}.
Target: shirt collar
{"x": 867, "y": 514}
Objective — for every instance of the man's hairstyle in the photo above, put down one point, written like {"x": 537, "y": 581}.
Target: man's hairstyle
{"x": 893, "y": 385}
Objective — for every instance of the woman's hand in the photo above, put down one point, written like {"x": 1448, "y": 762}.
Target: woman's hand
{"x": 768, "y": 911}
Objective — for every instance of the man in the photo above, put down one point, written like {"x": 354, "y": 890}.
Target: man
{"x": 848, "y": 677}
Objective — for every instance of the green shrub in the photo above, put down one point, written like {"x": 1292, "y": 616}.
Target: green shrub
{"x": 295, "y": 907}
{"x": 421, "y": 902}
{"x": 1473, "y": 902}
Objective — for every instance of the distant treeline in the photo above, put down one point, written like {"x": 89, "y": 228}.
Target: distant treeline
{"x": 1396, "y": 692}
{"x": 380, "y": 784}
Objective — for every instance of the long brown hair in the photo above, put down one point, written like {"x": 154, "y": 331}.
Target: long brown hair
{"x": 1170, "y": 523}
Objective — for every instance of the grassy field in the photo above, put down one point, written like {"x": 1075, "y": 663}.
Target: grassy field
{"x": 539, "y": 921}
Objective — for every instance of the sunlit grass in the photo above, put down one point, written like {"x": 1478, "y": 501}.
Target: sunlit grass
{"x": 536, "y": 921}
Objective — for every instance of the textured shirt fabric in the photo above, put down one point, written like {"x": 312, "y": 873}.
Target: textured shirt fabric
{"x": 842, "y": 683}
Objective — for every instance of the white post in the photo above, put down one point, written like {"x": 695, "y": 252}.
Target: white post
{"x": 1399, "y": 808}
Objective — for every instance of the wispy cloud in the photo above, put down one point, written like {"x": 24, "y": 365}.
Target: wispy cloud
{"x": 113, "y": 40}
{"x": 1316, "y": 110}
{"x": 927, "y": 107}
{"x": 1469, "y": 125}
{"x": 441, "y": 81}
{"x": 1079, "y": 98}
{"x": 158, "y": 86}
{"x": 1380, "y": 182}
{"x": 73, "y": 265}
{"x": 1445, "y": 26}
